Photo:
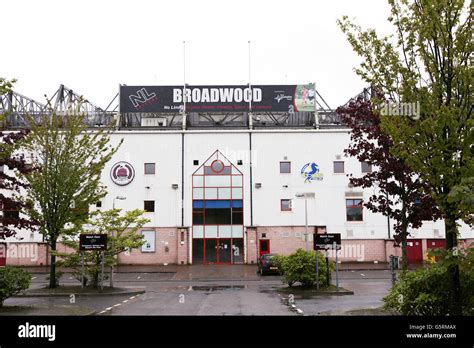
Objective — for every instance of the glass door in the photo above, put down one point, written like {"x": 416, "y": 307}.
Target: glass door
{"x": 224, "y": 251}
{"x": 211, "y": 251}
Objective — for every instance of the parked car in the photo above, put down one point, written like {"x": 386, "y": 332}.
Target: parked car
{"x": 265, "y": 265}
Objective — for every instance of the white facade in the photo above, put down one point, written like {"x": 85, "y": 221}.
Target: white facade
{"x": 262, "y": 204}
{"x": 268, "y": 149}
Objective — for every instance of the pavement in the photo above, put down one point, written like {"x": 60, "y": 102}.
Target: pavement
{"x": 173, "y": 268}
{"x": 214, "y": 290}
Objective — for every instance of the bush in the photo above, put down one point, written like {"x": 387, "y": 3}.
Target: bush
{"x": 301, "y": 267}
{"x": 12, "y": 281}
{"x": 277, "y": 260}
{"x": 426, "y": 290}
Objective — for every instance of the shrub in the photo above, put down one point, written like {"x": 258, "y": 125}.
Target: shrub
{"x": 426, "y": 290}
{"x": 278, "y": 261}
{"x": 301, "y": 267}
{"x": 12, "y": 281}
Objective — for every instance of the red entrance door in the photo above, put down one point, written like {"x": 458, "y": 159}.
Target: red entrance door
{"x": 217, "y": 251}
{"x": 264, "y": 247}
{"x": 414, "y": 251}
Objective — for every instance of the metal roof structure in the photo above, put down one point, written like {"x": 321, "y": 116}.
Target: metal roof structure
{"x": 18, "y": 108}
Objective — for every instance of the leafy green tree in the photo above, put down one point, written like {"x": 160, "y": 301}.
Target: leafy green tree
{"x": 428, "y": 61}
{"x": 122, "y": 236}
{"x": 69, "y": 158}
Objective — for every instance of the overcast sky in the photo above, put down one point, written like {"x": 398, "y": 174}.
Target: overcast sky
{"x": 93, "y": 45}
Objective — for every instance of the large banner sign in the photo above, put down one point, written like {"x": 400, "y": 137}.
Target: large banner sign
{"x": 170, "y": 99}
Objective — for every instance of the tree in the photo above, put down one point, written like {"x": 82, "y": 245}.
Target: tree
{"x": 122, "y": 235}
{"x": 70, "y": 159}
{"x": 428, "y": 62}
{"x": 401, "y": 194}
{"x": 10, "y": 182}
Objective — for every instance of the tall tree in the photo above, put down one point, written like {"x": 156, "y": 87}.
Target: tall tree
{"x": 428, "y": 61}
{"x": 70, "y": 158}
{"x": 400, "y": 194}
{"x": 122, "y": 236}
{"x": 12, "y": 165}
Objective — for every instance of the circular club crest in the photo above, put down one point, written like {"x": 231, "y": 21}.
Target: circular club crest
{"x": 217, "y": 166}
{"x": 122, "y": 173}
{"x": 310, "y": 172}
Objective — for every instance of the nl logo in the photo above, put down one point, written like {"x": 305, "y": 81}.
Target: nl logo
{"x": 142, "y": 97}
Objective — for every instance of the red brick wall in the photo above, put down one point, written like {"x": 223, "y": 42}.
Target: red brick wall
{"x": 166, "y": 249}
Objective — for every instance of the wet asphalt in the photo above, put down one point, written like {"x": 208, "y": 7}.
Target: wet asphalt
{"x": 219, "y": 292}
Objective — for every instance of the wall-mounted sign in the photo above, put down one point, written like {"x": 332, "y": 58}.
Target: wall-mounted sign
{"x": 122, "y": 173}
{"x": 149, "y": 242}
{"x": 92, "y": 242}
{"x": 310, "y": 172}
{"x": 327, "y": 241}
{"x": 170, "y": 99}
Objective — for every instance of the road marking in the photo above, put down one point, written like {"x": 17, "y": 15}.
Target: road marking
{"x": 362, "y": 274}
{"x": 116, "y": 305}
{"x": 125, "y": 301}
{"x": 102, "y": 312}
{"x": 33, "y": 278}
{"x": 108, "y": 308}
{"x": 299, "y": 311}
{"x": 138, "y": 277}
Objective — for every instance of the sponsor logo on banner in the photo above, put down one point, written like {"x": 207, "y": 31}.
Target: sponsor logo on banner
{"x": 122, "y": 173}
{"x": 142, "y": 97}
{"x": 311, "y": 172}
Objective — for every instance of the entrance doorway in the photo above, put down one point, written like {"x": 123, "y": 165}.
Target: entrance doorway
{"x": 218, "y": 250}
{"x": 218, "y": 212}
{"x": 414, "y": 251}
{"x": 264, "y": 247}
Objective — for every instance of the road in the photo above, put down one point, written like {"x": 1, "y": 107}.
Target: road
{"x": 213, "y": 293}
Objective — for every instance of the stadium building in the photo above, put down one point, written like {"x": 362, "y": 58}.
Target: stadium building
{"x": 228, "y": 173}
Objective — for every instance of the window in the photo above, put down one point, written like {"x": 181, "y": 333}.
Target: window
{"x": 196, "y": 162}
{"x": 149, "y": 242}
{"x": 354, "y": 209}
{"x": 239, "y": 162}
{"x": 338, "y": 167}
{"x": 365, "y": 167}
{"x": 285, "y": 205}
{"x": 149, "y": 206}
{"x": 11, "y": 214}
{"x": 285, "y": 167}
{"x": 99, "y": 204}
{"x": 149, "y": 168}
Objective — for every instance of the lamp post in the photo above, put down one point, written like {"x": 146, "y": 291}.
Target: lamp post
{"x": 306, "y": 196}
{"x": 121, "y": 198}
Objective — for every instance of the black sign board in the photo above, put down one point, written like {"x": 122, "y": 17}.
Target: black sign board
{"x": 94, "y": 242}
{"x": 326, "y": 241}
{"x": 230, "y": 98}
